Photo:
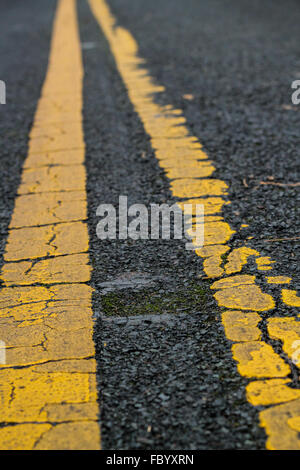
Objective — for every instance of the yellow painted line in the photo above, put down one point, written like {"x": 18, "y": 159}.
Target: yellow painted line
{"x": 190, "y": 171}
{"x": 48, "y": 382}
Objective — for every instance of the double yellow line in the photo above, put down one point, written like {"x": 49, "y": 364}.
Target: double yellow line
{"x": 46, "y": 305}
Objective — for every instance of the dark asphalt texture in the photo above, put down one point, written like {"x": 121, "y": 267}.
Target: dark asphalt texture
{"x": 165, "y": 370}
{"x": 25, "y": 33}
{"x": 238, "y": 59}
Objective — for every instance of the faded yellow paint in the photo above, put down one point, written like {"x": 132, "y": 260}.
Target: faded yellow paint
{"x": 48, "y": 383}
{"x": 179, "y": 154}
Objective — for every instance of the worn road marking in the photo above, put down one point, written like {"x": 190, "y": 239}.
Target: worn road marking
{"x": 190, "y": 172}
{"x": 48, "y": 382}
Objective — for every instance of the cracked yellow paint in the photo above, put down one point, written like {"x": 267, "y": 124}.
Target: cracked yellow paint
{"x": 62, "y": 157}
{"x": 52, "y": 178}
{"x": 290, "y": 297}
{"x": 48, "y": 394}
{"x": 22, "y": 436}
{"x": 179, "y": 154}
{"x": 71, "y": 268}
{"x": 49, "y": 208}
{"x": 270, "y": 392}
{"x": 49, "y": 240}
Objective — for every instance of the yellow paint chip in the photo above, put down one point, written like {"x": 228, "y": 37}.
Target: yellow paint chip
{"x": 233, "y": 281}
{"x": 238, "y": 258}
{"x": 241, "y": 326}
{"x": 212, "y": 205}
{"x": 264, "y": 263}
{"x": 278, "y": 280}
{"x": 287, "y": 330}
{"x": 290, "y": 298}
{"x": 199, "y": 171}
{"x": 245, "y": 298}
{"x": 257, "y": 359}
{"x": 278, "y": 423}
{"x": 212, "y": 259}
{"x": 271, "y": 392}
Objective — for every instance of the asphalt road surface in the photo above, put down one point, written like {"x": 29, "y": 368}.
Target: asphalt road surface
{"x": 157, "y": 346}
